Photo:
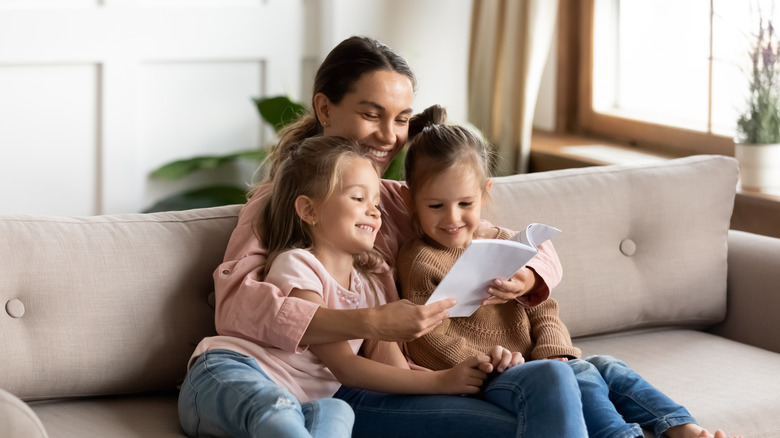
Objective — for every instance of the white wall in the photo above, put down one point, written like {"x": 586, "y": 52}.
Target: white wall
{"x": 94, "y": 94}
{"x": 432, "y": 35}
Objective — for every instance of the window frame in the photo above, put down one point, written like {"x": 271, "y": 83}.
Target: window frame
{"x": 574, "y": 89}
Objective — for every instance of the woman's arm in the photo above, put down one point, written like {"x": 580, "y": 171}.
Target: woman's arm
{"x": 395, "y": 322}
{"x": 360, "y": 372}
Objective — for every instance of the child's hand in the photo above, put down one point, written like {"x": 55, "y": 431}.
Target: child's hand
{"x": 560, "y": 358}
{"x": 501, "y": 358}
{"x": 466, "y": 377}
{"x": 504, "y": 290}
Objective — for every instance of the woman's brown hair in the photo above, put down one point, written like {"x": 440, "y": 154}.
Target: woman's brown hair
{"x": 336, "y": 76}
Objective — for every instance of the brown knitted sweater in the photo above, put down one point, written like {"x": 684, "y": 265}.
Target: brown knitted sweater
{"x": 536, "y": 332}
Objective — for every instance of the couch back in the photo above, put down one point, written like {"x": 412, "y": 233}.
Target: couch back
{"x": 641, "y": 245}
{"x": 106, "y": 304}
{"x": 116, "y": 304}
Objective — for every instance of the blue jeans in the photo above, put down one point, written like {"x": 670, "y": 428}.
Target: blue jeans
{"x": 618, "y": 402}
{"x": 536, "y": 399}
{"x": 226, "y": 394}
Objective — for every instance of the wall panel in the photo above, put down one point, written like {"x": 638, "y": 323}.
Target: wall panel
{"x": 49, "y": 129}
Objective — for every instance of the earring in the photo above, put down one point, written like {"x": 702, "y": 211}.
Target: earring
{"x": 325, "y": 124}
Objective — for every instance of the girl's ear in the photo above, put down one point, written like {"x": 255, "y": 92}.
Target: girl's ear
{"x": 306, "y": 209}
{"x": 406, "y": 195}
{"x": 322, "y": 108}
{"x": 489, "y": 184}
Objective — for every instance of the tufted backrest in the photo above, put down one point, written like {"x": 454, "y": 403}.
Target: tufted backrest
{"x": 642, "y": 245}
{"x": 106, "y": 304}
{"x": 116, "y": 304}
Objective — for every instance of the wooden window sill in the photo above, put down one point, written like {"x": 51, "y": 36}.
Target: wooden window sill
{"x": 754, "y": 211}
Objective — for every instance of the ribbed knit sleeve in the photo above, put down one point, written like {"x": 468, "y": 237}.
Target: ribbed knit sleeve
{"x": 551, "y": 335}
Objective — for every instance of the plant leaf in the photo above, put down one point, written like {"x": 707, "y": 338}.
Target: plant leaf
{"x": 279, "y": 111}
{"x": 396, "y": 168}
{"x": 211, "y": 196}
{"x": 181, "y": 168}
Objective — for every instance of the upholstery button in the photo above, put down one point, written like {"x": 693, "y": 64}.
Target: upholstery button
{"x": 15, "y": 308}
{"x": 627, "y": 247}
{"x": 225, "y": 271}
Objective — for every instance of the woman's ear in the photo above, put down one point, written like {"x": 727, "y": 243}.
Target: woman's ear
{"x": 306, "y": 210}
{"x": 406, "y": 195}
{"x": 322, "y": 108}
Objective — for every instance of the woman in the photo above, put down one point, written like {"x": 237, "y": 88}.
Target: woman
{"x": 363, "y": 91}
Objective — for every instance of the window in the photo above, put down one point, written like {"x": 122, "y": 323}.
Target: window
{"x": 666, "y": 74}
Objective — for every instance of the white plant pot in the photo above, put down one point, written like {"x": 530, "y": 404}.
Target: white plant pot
{"x": 759, "y": 166}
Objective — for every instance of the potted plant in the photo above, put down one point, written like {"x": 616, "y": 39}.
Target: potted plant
{"x": 757, "y": 142}
{"x": 278, "y": 111}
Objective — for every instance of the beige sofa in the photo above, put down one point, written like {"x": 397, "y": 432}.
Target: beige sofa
{"x": 101, "y": 313}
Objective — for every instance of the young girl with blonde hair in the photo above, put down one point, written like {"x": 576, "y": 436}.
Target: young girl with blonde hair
{"x": 447, "y": 173}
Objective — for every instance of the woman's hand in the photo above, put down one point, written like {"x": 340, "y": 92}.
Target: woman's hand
{"x": 405, "y": 321}
{"x": 501, "y": 359}
{"x": 466, "y": 377}
{"x": 501, "y": 291}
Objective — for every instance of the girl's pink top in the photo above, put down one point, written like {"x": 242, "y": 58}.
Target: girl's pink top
{"x": 303, "y": 374}
{"x": 256, "y": 311}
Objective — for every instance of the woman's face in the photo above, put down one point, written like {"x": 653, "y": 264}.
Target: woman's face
{"x": 376, "y": 114}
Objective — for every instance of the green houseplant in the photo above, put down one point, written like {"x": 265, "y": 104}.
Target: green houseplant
{"x": 757, "y": 141}
{"x": 277, "y": 111}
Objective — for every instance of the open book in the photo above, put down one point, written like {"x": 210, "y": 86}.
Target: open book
{"x": 485, "y": 260}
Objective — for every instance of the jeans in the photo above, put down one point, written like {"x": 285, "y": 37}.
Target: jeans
{"x": 536, "y": 399}
{"x": 618, "y": 402}
{"x": 226, "y": 394}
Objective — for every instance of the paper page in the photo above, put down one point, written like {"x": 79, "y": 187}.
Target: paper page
{"x": 535, "y": 234}
{"x": 483, "y": 260}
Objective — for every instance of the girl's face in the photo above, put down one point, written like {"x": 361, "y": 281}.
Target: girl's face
{"x": 376, "y": 113}
{"x": 348, "y": 221}
{"x": 449, "y": 205}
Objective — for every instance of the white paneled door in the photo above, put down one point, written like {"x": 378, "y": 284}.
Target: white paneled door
{"x": 95, "y": 94}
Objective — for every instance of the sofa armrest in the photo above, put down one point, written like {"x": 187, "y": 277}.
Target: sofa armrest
{"x": 753, "y": 294}
{"x": 17, "y": 420}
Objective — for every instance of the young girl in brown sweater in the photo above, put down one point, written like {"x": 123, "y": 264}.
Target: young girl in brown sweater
{"x": 447, "y": 169}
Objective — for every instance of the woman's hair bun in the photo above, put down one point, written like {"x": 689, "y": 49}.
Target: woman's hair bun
{"x": 433, "y": 115}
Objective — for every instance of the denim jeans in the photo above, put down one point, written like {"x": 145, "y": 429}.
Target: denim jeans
{"x": 618, "y": 402}
{"x": 536, "y": 399}
{"x": 226, "y": 394}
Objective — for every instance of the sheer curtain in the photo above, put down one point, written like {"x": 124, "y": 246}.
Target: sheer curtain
{"x": 510, "y": 41}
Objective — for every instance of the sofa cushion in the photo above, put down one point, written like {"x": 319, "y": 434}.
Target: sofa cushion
{"x": 106, "y": 304}
{"x": 724, "y": 384}
{"x": 148, "y": 415}
{"x": 642, "y": 245}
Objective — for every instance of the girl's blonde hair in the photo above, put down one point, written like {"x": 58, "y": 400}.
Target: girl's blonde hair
{"x": 313, "y": 168}
{"x": 435, "y": 147}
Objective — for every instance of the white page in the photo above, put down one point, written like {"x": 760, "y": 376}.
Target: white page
{"x": 483, "y": 260}
{"x": 535, "y": 234}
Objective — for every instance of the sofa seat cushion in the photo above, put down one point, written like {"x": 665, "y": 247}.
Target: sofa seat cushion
{"x": 740, "y": 382}
{"x": 149, "y": 416}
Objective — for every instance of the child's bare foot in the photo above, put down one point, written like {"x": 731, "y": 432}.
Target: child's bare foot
{"x": 691, "y": 430}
